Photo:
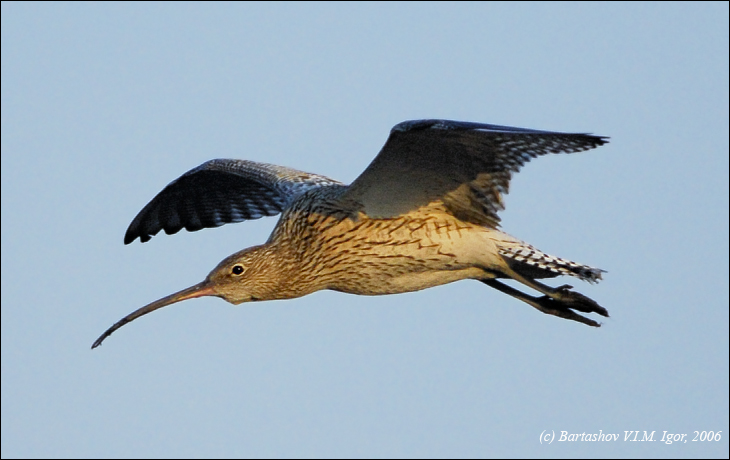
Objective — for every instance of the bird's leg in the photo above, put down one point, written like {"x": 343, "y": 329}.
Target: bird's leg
{"x": 559, "y": 301}
{"x": 545, "y": 304}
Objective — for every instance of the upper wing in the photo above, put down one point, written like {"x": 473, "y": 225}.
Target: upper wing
{"x": 466, "y": 166}
{"x": 221, "y": 191}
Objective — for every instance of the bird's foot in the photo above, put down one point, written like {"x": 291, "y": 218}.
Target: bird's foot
{"x": 550, "y": 306}
{"x": 577, "y": 301}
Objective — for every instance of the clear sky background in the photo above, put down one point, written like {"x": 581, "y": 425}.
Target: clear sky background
{"x": 104, "y": 104}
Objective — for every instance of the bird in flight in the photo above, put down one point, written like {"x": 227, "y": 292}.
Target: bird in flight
{"x": 422, "y": 214}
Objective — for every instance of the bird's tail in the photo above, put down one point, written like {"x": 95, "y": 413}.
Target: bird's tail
{"x": 532, "y": 262}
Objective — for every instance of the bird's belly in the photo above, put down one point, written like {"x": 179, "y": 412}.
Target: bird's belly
{"x": 377, "y": 284}
{"x": 395, "y": 256}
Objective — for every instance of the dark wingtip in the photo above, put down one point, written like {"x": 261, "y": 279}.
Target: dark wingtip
{"x": 132, "y": 232}
{"x": 131, "y": 235}
{"x": 601, "y": 140}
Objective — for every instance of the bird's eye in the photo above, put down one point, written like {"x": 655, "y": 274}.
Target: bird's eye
{"x": 237, "y": 269}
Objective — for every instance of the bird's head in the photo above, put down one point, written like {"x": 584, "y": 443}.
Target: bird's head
{"x": 245, "y": 276}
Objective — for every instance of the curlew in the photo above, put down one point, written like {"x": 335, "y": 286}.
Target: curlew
{"x": 422, "y": 214}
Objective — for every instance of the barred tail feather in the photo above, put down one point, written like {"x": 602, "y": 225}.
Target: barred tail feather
{"x": 554, "y": 266}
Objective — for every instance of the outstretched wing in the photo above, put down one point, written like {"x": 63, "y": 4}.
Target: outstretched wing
{"x": 465, "y": 166}
{"x": 219, "y": 192}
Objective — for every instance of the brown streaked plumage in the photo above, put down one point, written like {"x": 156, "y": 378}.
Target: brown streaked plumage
{"x": 422, "y": 214}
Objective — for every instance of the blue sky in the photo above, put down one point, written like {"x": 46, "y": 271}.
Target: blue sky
{"x": 104, "y": 104}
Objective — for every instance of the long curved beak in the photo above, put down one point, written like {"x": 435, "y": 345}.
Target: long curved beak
{"x": 199, "y": 290}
